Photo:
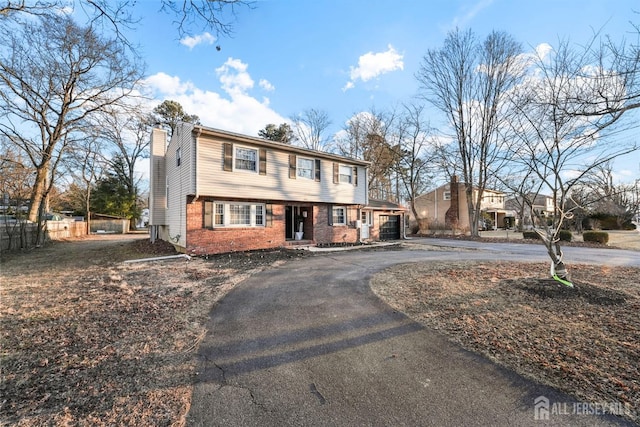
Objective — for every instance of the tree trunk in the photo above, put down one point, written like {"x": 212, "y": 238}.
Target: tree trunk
{"x": 38, "y": 193}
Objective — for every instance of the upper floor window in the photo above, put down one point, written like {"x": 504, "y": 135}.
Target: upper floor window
{"x": 446, "y": 195}
{"x": 305, "y": 168}
{"x": 346, "y": 174}
{"x": 246, "y": 159}
{"x": 178, "y": 156}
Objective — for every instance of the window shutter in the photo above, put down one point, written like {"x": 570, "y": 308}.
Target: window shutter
{"x": 292, "y": 166}
{"x": 355, "y": 175}
{"x": 336, "y": 173}
{"x": 263, "y": 161}
{"x": 208, "y": 214}
{"x": 317, "y": 171}
{"x": 330, "y": 214}
{"x": 269, "y": 217}
{"x": 228, "y": 156}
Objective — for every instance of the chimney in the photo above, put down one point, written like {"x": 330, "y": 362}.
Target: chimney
{"x": 452, "y": 216}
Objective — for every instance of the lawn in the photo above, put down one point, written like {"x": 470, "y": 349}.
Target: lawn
{"x": 584, "y": 341}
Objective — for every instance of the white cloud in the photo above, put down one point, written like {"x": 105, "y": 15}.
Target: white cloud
{"x": 372, "y": 65}
{"x": 233, "y": 108}
{"x": 266, "y": 85}
{"x": 191, "y": 42}
{"x": 167, "y": 85}
{"x": 234, "y": 77}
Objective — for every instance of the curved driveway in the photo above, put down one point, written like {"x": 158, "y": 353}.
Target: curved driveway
{"x": 308, "y": 343}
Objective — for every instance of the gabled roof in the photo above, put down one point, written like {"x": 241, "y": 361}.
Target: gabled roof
{"x": 199, "y": 130}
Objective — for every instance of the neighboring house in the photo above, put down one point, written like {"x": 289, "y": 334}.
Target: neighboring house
{"x": 540, "y": 204}
{"x": 445, "y": 207}
{"x": 214, "y": 191}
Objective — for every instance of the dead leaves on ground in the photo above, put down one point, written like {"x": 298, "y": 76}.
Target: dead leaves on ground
{"x": 107, "y": 343}
{"x": 584, "y": 341}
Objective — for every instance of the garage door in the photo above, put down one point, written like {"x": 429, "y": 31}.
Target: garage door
{"x": 389, "y": 227}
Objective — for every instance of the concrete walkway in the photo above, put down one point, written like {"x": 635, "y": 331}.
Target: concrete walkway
{"x": 308, "y": 343}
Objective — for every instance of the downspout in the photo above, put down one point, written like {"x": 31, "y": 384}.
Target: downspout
{"x": 194, "y": 163}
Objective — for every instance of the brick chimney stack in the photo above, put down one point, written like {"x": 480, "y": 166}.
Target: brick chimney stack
{"x": 452, "y": 216}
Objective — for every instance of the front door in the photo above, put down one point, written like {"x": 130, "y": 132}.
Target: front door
{"x": 289, "y": 222}
{"x": 365, "y": 223}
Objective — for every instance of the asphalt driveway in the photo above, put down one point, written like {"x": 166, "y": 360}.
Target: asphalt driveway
{"x": 308, "y": 343}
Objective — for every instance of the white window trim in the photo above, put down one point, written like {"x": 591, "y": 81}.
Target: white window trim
{"x": 344, "y": 215}
{"x": 446, "y": 195}
{"x": 226, "y": 217}
{"x": 245, "y": 147}
{"x": 298, "y": 168}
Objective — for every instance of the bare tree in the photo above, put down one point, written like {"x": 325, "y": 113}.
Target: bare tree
{"x": 413, "y": 146}
{"x": 124, "y": 133}
{"x": 365, "y": 136}
{"x": 16, "y": 179}
{"x": 54, "y": 75}
{"x": 309, "y": 128}
{"x": 86, "y": 164}
{"x": 564, "y": 134}
{"x": 468, "y": 81}
{"x": 115, "y": 15}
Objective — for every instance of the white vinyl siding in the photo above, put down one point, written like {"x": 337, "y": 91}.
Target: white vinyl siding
{"x": 276, "y": 183}
{"x": 181, "y": 182}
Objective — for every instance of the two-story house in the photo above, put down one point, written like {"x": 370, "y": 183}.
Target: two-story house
{"x": 214, "y": 191}
{"x": 446, "y": 207}
{"x": 541, "y": 205}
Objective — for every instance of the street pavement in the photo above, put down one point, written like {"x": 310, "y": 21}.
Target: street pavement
{"x": 309, "y": 344}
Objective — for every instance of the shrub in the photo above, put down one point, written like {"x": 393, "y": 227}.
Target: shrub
{"x": 596, "y": 236}
{"x": 530, "y": 235}
{"x": 565, "y": 235}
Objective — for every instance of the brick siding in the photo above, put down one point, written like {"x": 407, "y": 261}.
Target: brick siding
{"x": 202, "y": 241}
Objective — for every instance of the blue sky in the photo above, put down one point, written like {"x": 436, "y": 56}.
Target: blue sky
{"x": 344, "y": 56}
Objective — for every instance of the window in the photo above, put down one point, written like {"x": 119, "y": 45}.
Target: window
{"x": 239, "y": 214}
{"x": 345, "y": 174}
{"x": 227, "y": 214}
{"x": 246, "y": 159}
{"x": 339, "y": 215}
{"x": 446, "y": 195}
{"x": 305, "y": 168}
{"x": 178, "y": 157}
{"x": 219, "y": 215}
{"x": 259, "y": 216}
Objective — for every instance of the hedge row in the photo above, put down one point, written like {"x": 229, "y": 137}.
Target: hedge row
{"x": 596, "y": 236}
{"x": 565, "y": 235}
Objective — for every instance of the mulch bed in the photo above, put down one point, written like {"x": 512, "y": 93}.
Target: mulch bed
{"x": 584, "y": 341}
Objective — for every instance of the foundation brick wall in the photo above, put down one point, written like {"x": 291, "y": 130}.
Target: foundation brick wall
{"x": 202, "y": 241}
{"x": 325, "y": 233}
